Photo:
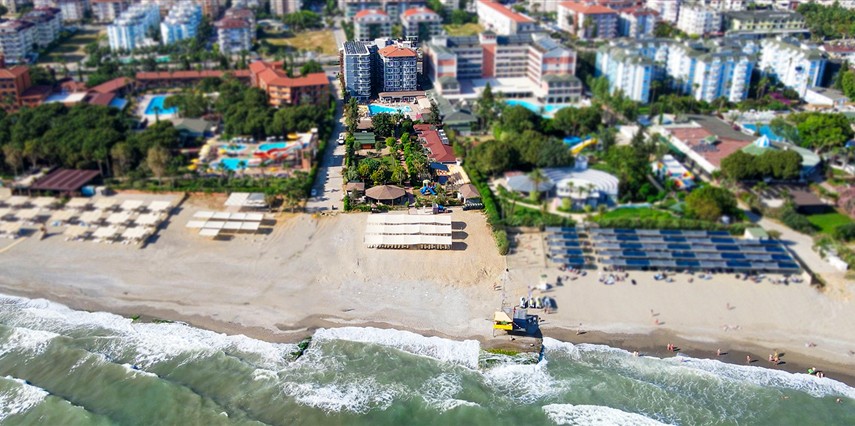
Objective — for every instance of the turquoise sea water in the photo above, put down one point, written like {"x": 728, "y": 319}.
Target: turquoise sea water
{"x": 64, "y": 367}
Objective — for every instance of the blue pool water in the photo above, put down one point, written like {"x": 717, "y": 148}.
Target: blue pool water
{"x": 765, "y": 130}
{"x": 547, "y": 110}
{"x": 275, "y": 145}
{"x": 377, "y": 109}
{"x": 235, "y": 148}
{"x": 156, "y": 104}
{"x": 235, "y": 164}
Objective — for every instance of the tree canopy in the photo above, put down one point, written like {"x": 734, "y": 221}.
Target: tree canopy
{"x": 821, "y": 131}
{"x": 710, "y": 203}
{"x": 774, "y": 164}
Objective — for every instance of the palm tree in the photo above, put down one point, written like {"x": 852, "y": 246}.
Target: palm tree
{"x": 537, "y": 178}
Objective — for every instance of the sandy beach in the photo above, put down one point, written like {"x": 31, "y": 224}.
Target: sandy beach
{"x": 310, "y": 272}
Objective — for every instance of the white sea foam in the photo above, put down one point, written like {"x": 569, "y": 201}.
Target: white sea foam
{"x": 464, "y": 353}
{"x": 595, "y": 415}
{"x": 757, "y": 376}
{"x": 20, "y": 398}
{"x": 25, "y": 339}
{"x": 135, "y": 370}
{"x": 439, "y": 392}
{"x": 357, "y": 396}
{"x": 525, "y": 383}
{"x": 150, "y": 343}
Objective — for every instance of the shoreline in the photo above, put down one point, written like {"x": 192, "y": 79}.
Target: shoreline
{"x": 652, "y": 344}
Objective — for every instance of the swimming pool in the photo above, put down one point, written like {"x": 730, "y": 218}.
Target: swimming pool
{"x": 156, "y": 104}
{"x": 234, "y": 149}
{"x": 234, "y": 164}
{"x": 765, "y": 130}
{"x": 547, "y": 110}
{"x": 271, "y": 146}
{"x": 374, "y": 109}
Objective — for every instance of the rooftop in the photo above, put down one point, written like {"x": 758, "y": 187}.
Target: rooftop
{"x": 370, "y": 12}
{"x": 498, "y": 7}
{"x": 65, "y": 180}
{"x": 112, "y": 85}
{"x": 418, "y": 11}
{"x": 586, "y": 9}
{"x": 397, "y": 52}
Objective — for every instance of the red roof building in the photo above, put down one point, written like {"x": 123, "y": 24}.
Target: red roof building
{"x": 184, "y": 78}
{"x": 283, "y": 90}
{"x": 436, "y": 142}
{"x": 13, "y": 82}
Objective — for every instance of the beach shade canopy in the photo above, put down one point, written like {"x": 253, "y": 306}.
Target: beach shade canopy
{"x": 254, "y": 217}
{"x": 196, "y": 224}
{"x": 76, "y": 231}
{"x": 4, "y": 211}
{"x": 105, "y": 203}
{"x": 385, "y": 192}
{"x": 147, "y": 219}
{"x": 118, "y": 218}
{"x": 43, "y": 202}
{"x": 63, "y": 215}
{"x": 238, "y": 216}
{"x": 204, "y": 215}
{"x": 221, "y": 216}
{"x": 232, "y": 226}
{"x": 26, "y": 214}
{"x": 209, "y": 232}
{"x": 214, "y": 224}
{"x": 105, "y": 232}
{"x": 249, "y": 226}
{"x": 78, "y": 203}
{"x": 131, "y": 205}
{"x": 91, "y": 217}
{"x": 10, "y": 228}
{"x": 159, "y": 206}
{"x": 134, "y": 233}
{"x": 17, "y": 201}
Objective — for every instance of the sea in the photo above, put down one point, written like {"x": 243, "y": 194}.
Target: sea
{"x": 60, "y": 366}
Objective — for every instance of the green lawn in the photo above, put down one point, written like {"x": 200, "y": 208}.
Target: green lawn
{"x": 826, "y": 222}
{"x": 321, "y": 41}
{"x": 640, "y": 213}
{"x": 71, "y": 49}
{"x": 470, "y": 29}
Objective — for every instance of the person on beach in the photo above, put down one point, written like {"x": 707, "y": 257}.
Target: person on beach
{"x": 748, "y": 359}
{"x": 718, "y": 352}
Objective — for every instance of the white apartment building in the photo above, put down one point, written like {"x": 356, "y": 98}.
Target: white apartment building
{"x": 284, "y": 7}
{"x": 16, "y": 40}
{"x": 421, "y": 23}
{"x": 543, "y": 6}
{"x": 108, "y": 10}
{"x": 668, "y": 10}
{"x": 588, "y": 21}
{"x": 10, "y": 5}
{"x": 398, "y": 69}
{"x": 130, "y": 30}
{"x": 393, "y": 8}
{"x": 371, "y": 24}
{"x": 47, "y": 25}
{"x": 234, "y": 35}
{"x": 725, "y": 5}
{"x": 696, "y": 19}
{"x": 637, "y": 22}
{"x": 72, "y": 10}
{"x": 704, "y": 71}
{"x": 181, "y": 23}
{"x": 356, "y": 69}
{"x": 501, "y": 20}
{"x": 708, "y": 72}
{"x": 628, "y": 73}
{"x": 798, "y": 66}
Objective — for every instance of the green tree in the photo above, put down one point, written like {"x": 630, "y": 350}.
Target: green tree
{"x": 384, "y": 124}
{"x": 312, "y": 66}
{"x": 157, "y": 161}
{"x": 710, "y": 203}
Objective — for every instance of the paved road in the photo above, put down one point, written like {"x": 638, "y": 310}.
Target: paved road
{"x": 329, "y": 182}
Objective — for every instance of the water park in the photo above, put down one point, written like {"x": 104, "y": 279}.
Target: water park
{"x": 246, "y": 155}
